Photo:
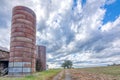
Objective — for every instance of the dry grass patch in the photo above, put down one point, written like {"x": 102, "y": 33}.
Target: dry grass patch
{"x": 96, "y": 73}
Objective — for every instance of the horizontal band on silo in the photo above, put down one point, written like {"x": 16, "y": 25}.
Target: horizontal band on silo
{"x": 21, "y": 16}
{"x": 11, "y": 64}
{"x": 24, "y": 49}
{"x": 27, "y": 59}
{"x": 11, "y": 54}
{"x": 21, "y": 39}
{"x": 15, "y": 70}
{"x": 26, "y": 45}
{"x": 23, "y": 34}
{"x": 23, "y": 8}
{"x": 18, "y": 64}
{"x": 26, "y": 69}
{"x": 17, "y": 52}
{"x": 23, "y": 21}
{"x": 23, "y": 25}
{"x": 16, "y": 74}
{"x": 17, "y": 59}
{"x": 11, "y": 59}
{"x": 24, "y": 13}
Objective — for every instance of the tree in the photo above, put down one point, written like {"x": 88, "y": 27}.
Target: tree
{"x": 63, "y": 65}
{"x": 67, "y": 64}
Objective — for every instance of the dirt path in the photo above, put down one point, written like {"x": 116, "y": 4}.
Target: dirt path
{"x": 63, "y": 75}
{"x": 59, "y": 76}
{"x": 67, "y": 75}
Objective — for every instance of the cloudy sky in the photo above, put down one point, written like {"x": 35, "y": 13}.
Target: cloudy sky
{"x": 84, "y": 31}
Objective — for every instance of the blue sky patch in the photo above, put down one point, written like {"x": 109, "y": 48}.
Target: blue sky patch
{"x": 112, "y": 12}
{"x": 75, "y": 3}
{"x": 83, "y": 2}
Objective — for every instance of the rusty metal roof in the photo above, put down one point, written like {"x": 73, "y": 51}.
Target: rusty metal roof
{"x": 4, "y": 49}
{"x": 4, "y": 54}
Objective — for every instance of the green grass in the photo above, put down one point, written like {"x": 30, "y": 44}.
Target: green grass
{"x": 45, "y": 75}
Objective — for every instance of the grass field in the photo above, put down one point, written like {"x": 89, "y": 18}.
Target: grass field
{"x": 45, "y": 75}
{"x": 109, "y": 70}
{"x": 97, "y": 73}
{"x": 103, "y": 73}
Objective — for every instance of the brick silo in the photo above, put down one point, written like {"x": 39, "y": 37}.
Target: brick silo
{"x": 23, "y": 40}
{"x": 41, "y": 58}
